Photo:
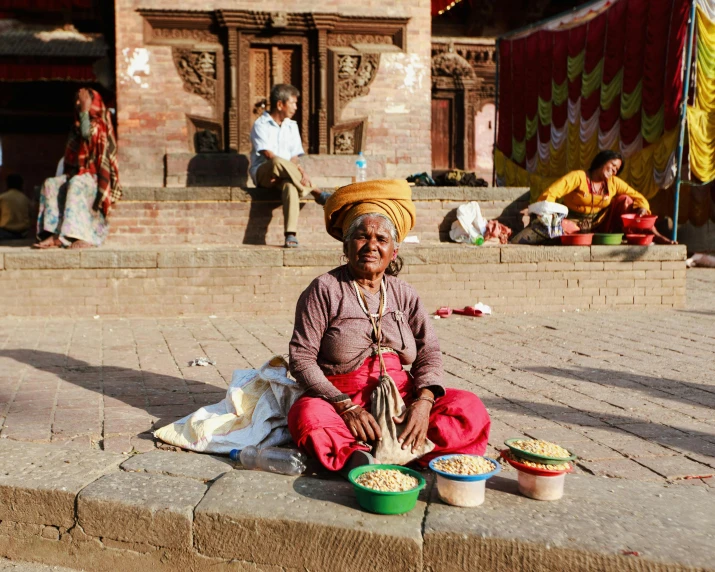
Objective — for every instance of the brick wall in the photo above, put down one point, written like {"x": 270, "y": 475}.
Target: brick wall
{"x": 225, "y": 215}
{"x": 266, "y": 280}
{"x": 152, "y": 104}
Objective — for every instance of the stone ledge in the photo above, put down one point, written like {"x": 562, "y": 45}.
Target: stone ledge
{"x": 654, "y": 252}
{"x": 220, "y": 256}
{"x": 249, "y": 520}
{"x": 517, "y": 253}
{"x": 591, "y": 528}
{"x": 192, "y": 466}
{"x": 271, "y": 519}
{"x": 142, "y": 508}
{"x": 39, "y": 483}
{"x": 245, "y": 194}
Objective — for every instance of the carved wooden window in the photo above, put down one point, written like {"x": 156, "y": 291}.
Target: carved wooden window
{"x": 268, "y": 66}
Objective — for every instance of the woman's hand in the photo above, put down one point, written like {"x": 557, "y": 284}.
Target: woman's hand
{"x": 642, "y": 212}
{"x": 362, "y": 425}
{"x": 85, "y": 99}
{"x": 417, "y": 422}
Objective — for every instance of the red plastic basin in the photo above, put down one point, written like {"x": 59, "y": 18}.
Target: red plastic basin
{"x": 639, "y": 239}
{"x": 638, "y": 222}
{"x": 577, "y": 239}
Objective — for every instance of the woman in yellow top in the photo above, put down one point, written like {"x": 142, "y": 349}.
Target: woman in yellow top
{"x": 597, "y": 198}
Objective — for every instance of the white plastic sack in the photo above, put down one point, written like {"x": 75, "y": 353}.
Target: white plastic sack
{"x": 545, "y": 208}
{"x": 253, "y": 413}
{"x": 469, "y": 225}
{"x": 546, "y": 223}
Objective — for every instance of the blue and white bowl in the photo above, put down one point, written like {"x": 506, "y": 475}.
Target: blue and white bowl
{"x": 462, "y": 490}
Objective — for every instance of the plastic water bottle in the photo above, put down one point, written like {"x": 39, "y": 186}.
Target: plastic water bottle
{"x": 478, "y": 240}
{"x": 272, "y": 459}
{"x": 360, "y": 169}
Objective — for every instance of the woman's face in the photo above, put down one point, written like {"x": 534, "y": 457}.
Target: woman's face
{"x": 371, "y": 248}
{"x": 611, "y": 168}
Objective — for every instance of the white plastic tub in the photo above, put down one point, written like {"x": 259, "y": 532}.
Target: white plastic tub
{"x": 462, "y": 490}
{"x": 461, "y": 493}
{"x": 541, "y": 488}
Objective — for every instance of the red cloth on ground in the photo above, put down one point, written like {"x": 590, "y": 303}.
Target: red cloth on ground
{"x": 459, "y": 422}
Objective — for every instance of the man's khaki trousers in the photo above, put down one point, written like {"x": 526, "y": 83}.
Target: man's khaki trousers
{"x": 281, "y": 174}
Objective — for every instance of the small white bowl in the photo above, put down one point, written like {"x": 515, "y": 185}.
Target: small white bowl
{"x": 541, "y": 487}
{"x": 462, "y": 490}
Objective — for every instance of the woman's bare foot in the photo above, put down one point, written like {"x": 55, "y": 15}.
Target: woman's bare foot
{"x": 81, "y": 244}
{"x": 51, "y": 242}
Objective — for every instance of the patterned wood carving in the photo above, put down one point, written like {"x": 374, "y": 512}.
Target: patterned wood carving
{"x": 205, "y": 136}
{"x": 347, "y": 40}
{"x": 351, "y": 75}
{"x": 198, "y": 71}
{"x": 348, "y": 138}
{"x": 182, "y": 28}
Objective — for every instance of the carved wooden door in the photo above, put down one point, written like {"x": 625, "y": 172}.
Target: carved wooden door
{"x": 442, "y": 133}
{"x": 268, "y": 66}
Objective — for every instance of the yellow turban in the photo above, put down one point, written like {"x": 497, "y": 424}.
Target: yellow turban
{"x": 392, "y": 198}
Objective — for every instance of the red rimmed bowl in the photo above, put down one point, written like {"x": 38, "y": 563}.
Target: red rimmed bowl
{"x": 639, "y": 222}
{"x": 639, "y": 239}
{"x": 577, "y": 239}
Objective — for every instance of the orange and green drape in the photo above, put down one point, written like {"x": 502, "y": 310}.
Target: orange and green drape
{"x": 608, "y": 76}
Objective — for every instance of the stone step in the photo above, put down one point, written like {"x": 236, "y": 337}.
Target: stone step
{"x": 166, "y": 511}
{"x": 233, "y": 215}
{"x": 265, "y": 280}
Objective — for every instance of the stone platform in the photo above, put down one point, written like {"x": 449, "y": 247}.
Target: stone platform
{"x": 237, "y": 216}
{"x": 82, "y": 484}
{"x": 264, "y": 280}
{"x": 164, "y": 511}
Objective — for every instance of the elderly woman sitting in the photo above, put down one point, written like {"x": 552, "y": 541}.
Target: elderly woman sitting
{"x": 333, "y": 352}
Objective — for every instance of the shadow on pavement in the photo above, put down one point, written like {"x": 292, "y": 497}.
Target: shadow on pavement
{"x": 688, "y": 392}
{"x": 696, "y": 442}
{"x": 160, "y": 398}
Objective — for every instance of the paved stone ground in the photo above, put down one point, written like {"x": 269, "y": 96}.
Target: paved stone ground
{"x": 632, "y": 393}
{"x": 8, "y": 566}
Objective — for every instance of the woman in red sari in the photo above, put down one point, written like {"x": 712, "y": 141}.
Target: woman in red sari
{"x": 333, "y": 351}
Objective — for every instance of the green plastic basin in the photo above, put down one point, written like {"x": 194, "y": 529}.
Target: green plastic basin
{"x": 386, "y": 502}
{"x": 604, "y": 238}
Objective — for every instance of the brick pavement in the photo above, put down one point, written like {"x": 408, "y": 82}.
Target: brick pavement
{"x": 632, "y": 393}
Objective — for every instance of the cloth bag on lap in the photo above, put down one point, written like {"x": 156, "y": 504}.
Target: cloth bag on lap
{"x": 386, "y": 404}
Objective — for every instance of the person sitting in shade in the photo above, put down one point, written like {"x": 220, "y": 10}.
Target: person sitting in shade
{"x": 597, "y": 198}
{"x": 275, "y": 149}
{"x": 15, "y": 207}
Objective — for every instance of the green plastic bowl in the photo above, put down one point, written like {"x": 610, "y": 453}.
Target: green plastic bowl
{"x": 386, "y": 502}
{"x": 543, "y": 459}
{"x": 605, "y": 238}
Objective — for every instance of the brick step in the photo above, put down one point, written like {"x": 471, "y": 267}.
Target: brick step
{"x": 232, "y": 215}
{"x": 267, "y": 280}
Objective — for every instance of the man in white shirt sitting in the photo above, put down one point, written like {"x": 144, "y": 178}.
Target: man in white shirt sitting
{"x": 276, "y": 146}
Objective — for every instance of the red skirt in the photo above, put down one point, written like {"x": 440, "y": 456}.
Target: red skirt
{"x": 611, "y": 221}
{"x": 458, "y": 423}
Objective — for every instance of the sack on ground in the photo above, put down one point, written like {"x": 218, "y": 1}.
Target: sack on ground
{"x": 386, "y": 404}
{"x": 253, "y": 413}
